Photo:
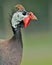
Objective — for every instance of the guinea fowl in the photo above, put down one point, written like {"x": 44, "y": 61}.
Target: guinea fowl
{"x": 11, "y": 50}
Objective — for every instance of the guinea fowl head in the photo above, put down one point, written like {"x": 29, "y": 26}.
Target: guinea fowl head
{"x": 21, "y": 17}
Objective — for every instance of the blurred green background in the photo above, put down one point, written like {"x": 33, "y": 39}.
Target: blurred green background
{"x": 37, "y": 38}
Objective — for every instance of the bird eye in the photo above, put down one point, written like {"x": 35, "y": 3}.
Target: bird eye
{"x": 24, "y": 13}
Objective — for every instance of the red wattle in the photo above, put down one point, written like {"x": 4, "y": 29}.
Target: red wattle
{"x": 26, "y": 21}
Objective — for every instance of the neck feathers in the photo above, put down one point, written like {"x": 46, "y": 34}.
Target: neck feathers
{"x": 16, "y": 39}
{"x": 17, "y": 32}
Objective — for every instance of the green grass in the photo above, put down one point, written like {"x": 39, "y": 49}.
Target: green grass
{"x": 33, "y": 62}
{"x": 37, "y": 49}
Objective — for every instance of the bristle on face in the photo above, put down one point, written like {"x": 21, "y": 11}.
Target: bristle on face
{"x": 20, "y": 7}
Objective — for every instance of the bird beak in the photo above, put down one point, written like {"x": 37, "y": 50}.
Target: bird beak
{"x": 28, "y": 19}
{"x": 32, "y": 16}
